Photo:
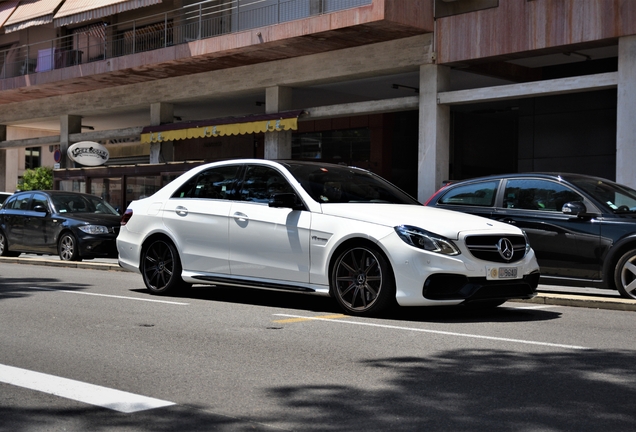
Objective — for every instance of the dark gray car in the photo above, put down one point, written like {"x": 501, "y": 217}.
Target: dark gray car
{"x": 582, "y": 228}
{"x": 73, "y": 225}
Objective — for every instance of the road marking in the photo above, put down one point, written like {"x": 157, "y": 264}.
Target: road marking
{"x": 293, "y": 320}
{"x": 109, "y": 295}
{"x": 104, "y": 397}
{"x": 446, "y": 333}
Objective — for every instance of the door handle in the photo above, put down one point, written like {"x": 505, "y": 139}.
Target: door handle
{"x": 181, "y": 211}
{"x": 240, "y": 216}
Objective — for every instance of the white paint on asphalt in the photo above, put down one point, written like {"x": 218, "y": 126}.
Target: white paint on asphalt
{"x": 105, "y": 397}
{"x": 446, "y": 333}
{"x": 109, "y": 295}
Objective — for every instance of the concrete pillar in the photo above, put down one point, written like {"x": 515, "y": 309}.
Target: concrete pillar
{"x": 161, "y": 113}
{"x": 278, "y": 144}
{"x": 69, "y": 124}
{"x": 434, "y": 131}
{"x": 3, "y": 160}
{"x": 626, "y": 112}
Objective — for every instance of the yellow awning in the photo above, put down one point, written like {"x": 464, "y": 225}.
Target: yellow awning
{"x": 6, "y": 9}
{"x": 76, "y": 11}
{"x": 212, "y": 130}
{"x": 31, "y": 13}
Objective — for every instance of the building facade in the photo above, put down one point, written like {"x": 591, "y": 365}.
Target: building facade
{"x": 419, "y": 91}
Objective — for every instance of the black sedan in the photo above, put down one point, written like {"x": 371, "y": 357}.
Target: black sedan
{"x": 582, "y": 228}
{"x": 73, "y": 225}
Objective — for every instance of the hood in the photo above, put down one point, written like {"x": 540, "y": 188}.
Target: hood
{"x": 446, "y": 223}
{"x": 93, "y": 218}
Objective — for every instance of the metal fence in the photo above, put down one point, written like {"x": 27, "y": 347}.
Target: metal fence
{"x": 199, "y": 21}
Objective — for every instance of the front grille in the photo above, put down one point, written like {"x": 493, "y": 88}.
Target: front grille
{"x": 487, "y": 247}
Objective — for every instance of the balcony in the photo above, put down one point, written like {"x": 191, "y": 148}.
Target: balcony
{"x": 203, "y": 37}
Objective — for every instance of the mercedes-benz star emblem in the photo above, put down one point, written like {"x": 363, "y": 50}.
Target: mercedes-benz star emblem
{"x": 504, "y": 246}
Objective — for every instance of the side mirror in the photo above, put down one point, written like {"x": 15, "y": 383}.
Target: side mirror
{"x": 40, "y": 209}
{"x": 574, "y": 208}
{"x": 285, "y": 200}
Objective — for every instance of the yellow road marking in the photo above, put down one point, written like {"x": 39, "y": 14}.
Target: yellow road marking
{"x": 294, "y": 320}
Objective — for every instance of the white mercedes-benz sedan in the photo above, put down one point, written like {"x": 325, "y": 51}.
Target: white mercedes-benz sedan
{"x": 324, "y": 229}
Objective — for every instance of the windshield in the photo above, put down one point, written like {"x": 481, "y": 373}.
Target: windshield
{"x": 329, "y": 184}
{"x": 619, "y": 198}
{"x": 72, "y": 203}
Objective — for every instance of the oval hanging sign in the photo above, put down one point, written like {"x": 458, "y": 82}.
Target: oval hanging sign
{"x": 88, "y": 153}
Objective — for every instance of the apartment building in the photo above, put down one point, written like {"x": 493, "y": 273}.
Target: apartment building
{"x": 419, "y": 91}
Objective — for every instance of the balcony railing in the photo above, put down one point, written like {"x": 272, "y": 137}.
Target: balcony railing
{"x": 199, "y": 21}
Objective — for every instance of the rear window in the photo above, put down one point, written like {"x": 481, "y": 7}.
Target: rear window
{"x": 475, "y": 194}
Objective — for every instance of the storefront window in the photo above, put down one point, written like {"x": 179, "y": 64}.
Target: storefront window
{"x": 32, "y": 157}
{"x": 349, "y": 146}
{"x": 72, "y": 185}
{"x": 141, "y": 187}
{"x": 109, "y": 189}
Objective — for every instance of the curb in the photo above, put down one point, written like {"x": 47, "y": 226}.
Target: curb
{"x": 67, "y": 264}
{"x": 545, "y": 298}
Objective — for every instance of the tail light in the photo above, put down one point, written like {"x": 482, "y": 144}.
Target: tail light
{"x": 126, "y": 216}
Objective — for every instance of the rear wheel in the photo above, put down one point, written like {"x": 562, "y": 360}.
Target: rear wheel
{"x": 362, "y": 281}
{"x": 68, "y": 248}
{"x": 625, "y": 275}
{"x": 4, "y": 247}
{"x": 161, "y": 267}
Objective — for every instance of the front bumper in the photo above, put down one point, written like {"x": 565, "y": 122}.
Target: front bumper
{"x": 442, "y": 286}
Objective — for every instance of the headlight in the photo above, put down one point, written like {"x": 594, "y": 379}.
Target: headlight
{"x": 423, "y": 239}
{"x": 94, "y": 229}
{"x": 527, "y": 242}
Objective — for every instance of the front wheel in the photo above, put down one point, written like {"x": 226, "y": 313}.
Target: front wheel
{"x": 68, "y": 248}
{"x": 161, "y": 267}
{"x": 625, "y": 275}
{"x": 362, "y": 281}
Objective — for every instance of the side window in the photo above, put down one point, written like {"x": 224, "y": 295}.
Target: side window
{"x": 21, "y": 202}
{"x": 535, "y": 194}
{"x": 475, "y": 194}
{"x": 39, "y": 200}
{"x": 11, "y": 203}
{"x": 261, "y": 182}
{"x": 214, "y": 183}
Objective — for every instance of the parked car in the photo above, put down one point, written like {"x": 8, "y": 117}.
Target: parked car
{"x": 582, "y": 228}
{"x": 73, "y": 225}
{"x": 323, "y": 229}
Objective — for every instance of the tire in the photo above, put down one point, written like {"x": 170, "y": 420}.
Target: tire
{"x": 68, "y": 248}
{"x": 161, "y": 268}
{"x": 625, "y": 275}
{"x": 4, "y": 247}
{"x": 362, "y": 281}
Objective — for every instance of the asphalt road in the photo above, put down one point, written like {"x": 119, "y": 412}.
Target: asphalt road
{"x": 84, "y": 349}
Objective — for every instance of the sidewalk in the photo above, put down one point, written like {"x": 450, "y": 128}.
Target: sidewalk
{"x": 547, "y": 294}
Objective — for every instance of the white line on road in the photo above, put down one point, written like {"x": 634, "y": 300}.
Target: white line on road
{"x": 116, "y": 400}
{"x": 340, "y": 321}
{"x": 109, "y": 295}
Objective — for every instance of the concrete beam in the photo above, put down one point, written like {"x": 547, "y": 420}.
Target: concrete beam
{"x": 578, "y": 84}
{"x": 362, "y": 108}
{"x": 85, "y": 136}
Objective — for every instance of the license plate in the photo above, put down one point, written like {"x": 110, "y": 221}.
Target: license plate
{"x": 501, "y": 273}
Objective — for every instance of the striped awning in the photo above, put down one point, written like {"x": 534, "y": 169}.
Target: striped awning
{"x": 221, "y": 127}
{"x": 31, "y": 13}
{"x": 77, "y": 11}
{"x": 6, "y": 9}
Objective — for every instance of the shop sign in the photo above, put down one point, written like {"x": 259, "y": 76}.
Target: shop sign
{"x": 88, "y": 153}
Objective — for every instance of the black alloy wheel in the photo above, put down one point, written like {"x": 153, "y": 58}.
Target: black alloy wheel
{"x": 68, "y": 248}
{"x": 362, "y": 281}
{"x": 161, "y": 267}
{"x": 625, "y": 275}
{"x": 4, "y": 247}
